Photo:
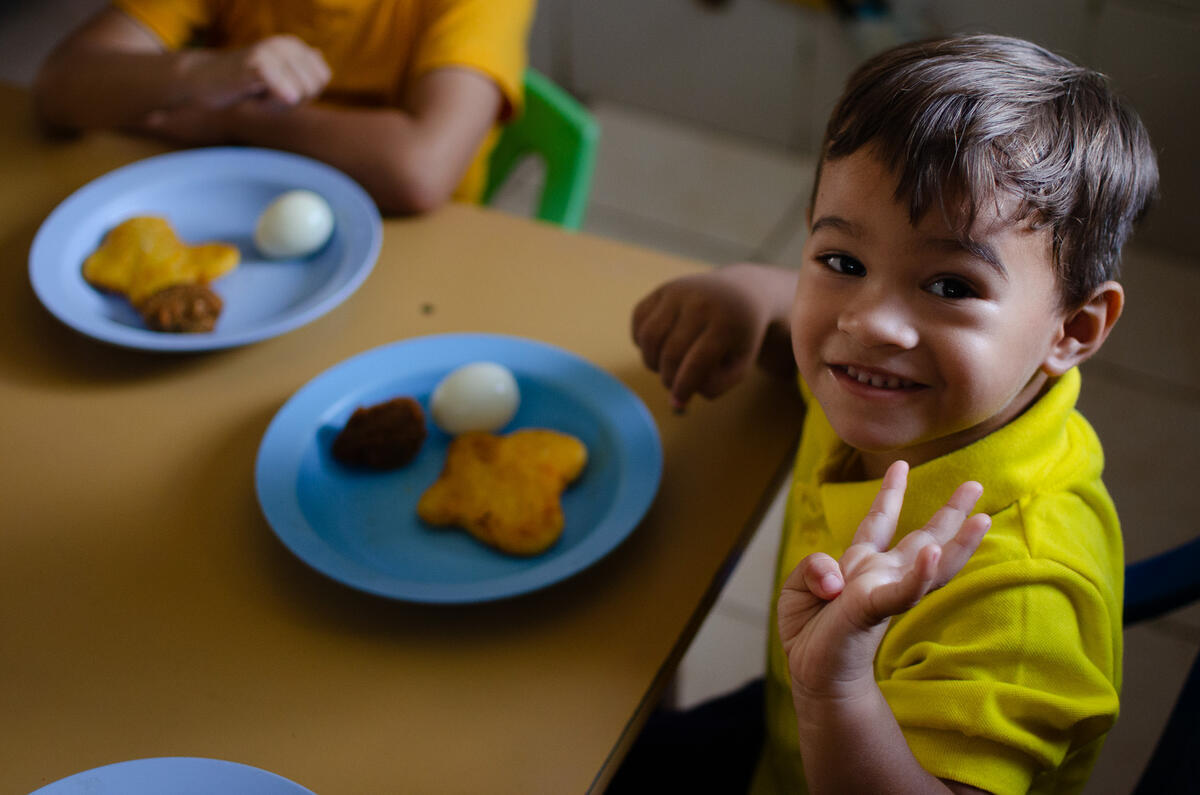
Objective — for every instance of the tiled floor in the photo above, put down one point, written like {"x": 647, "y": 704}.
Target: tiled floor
{"x": 717, "y": 199}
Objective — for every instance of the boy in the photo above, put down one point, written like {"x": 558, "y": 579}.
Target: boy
{"x": 971, "y": 203}
{"x": 410, "y": 90}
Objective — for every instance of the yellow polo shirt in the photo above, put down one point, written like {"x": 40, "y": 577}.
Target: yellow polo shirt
{"x": 1007, "y": 678}
{"x": 376, "y": 49}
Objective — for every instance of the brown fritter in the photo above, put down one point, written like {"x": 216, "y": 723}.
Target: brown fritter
{"x": 187, "y": 308}
{"x": 505, "y": 490}
{"x": 385, "y": 436}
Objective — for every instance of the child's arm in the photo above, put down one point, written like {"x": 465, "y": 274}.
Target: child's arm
{"x": 700, "y": 333}
{"x": 832, "y": 617}
{"x": 408, "y": 160}
{"x": 113, "y": 72}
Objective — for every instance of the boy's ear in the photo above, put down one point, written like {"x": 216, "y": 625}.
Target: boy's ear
{"x": 1085, "y": 329}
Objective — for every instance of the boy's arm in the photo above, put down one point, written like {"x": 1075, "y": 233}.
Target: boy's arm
{"x": 701, "y": 333}
{"x": 113, "y": 71}
{"x": 832, "y": 617}
{"x": 409, "y": 161}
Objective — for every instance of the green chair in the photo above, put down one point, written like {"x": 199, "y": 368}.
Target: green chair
{"x": 564, "y": 134}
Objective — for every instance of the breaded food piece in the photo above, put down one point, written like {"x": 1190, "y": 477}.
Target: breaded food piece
{"x": 505, "y": 490}
{"x": 385, "y": 436}
{"x": 186, "y": 308}
{"x": 142, "y": 255}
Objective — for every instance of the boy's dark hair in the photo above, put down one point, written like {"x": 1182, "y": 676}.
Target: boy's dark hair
{"x": 970, "y": 119}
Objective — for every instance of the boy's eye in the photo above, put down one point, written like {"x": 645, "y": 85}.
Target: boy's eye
{"x": 840, "y": 263}
{"x": 948, "y": 287}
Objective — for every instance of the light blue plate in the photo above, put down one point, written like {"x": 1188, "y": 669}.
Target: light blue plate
{"x": 206, "y": 195}
{"x": 361, "y": 527}
{"x": 174, "y": 775}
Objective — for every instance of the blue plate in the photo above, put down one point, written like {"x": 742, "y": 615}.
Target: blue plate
{"x": 174, "y": 775}
{"x": 208, "y": 194}
{"x": 361, "y": 527}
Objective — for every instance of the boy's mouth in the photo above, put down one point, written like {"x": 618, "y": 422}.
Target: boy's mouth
{"x": 879, "y": 380}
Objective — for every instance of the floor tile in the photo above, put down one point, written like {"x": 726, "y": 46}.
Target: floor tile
{"x": 1150, "y": 454}
{"x": 727, "y": 652}
{"x": 520, "y": 192}
{"x": 1159, "y": 333}
{"x": 749, "y": 589}
{"x": 714, "y": 184}
{"x": 745, "y": 68}
{"x": 620, "y": 224}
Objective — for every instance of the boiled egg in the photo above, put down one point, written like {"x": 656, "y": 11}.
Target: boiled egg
{"x": 481, "y": 396}
{"x": 295, "y": 224}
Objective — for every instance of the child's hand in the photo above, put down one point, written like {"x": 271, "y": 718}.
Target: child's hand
{"x": 700, "y": 333}
{"x": 190, "y": 125}
{"x": 279, "y": 68}
{"x": 832, "y": 614}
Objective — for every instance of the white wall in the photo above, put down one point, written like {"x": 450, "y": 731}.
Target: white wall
{"x": 772, "y": 69}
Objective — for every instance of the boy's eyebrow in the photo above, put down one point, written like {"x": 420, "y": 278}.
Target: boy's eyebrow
{"x": 839, "y": 223}
{"x": 975, "y": 248}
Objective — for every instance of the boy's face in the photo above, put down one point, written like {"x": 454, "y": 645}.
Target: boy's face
{"x": 913, "y": 345}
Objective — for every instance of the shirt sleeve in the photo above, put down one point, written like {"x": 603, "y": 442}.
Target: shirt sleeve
{"x": 1003, "y": 674}
{"x": 174, "y": 22}
{"x": 487, "y": 35}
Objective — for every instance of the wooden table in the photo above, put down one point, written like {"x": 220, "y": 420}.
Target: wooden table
{"x": 146, "y": 609}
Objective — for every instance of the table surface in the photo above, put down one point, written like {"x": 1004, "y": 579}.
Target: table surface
{"x": 146, "y": 608}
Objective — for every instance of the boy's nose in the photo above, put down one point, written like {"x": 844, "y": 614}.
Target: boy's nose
{"x": 873, "y": 321}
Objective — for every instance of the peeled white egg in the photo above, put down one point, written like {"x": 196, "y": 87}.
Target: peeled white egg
{"x": 295, "y": 224}
{"x": 481, "y": 396}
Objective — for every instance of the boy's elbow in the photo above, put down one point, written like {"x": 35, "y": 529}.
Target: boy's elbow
{"x": 415, "y": 185}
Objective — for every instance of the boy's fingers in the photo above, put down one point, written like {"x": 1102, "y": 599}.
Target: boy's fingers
{"x": 652, "y": 331}
{"x": 949, "y": 518}
{"x": 957, "y": 551}
{"x": 687, "y": 329}
{"x": 819, "y": 574}
{"x": 279, "y": 83}
{"x": 313, "y": 71}
{"x": 879, "y": 524}
{"x": 642, "y": 310}
{"x": 640, "y": 317}
{"x": 896, "y": 597}
{"x": 701, "y": 359}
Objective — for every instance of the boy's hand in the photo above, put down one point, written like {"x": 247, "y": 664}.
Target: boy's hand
{"x": 279, "y": 68}
{"x": 832, "y": 614}
{"x": 190, "y": 125}
{"x": 700, "y": 333}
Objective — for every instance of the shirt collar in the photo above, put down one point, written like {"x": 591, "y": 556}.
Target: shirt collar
{"x": 1010, "y": 462}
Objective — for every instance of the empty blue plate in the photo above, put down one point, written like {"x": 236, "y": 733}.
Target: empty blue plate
{"x": 174, "y": 775}
{"x": 213, "y": 194}
{"x": 361, "y": 527}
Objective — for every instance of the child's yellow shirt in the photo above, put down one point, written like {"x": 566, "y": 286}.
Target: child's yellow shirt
{"x": 1007, "y": 678}
{"x": 375, "y": 49}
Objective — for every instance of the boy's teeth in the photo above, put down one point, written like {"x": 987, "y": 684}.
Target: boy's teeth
{"x": 879, "y": 381}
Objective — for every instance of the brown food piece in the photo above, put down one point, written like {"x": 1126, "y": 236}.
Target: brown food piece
{"x": 187, "y": 308}
{"x": 384, "y": 436}
{"x": 505, "y": 490}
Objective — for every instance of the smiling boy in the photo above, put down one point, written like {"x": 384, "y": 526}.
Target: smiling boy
{"x": 972, "y": 200}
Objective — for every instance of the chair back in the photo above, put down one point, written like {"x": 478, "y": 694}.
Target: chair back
{"x": 559, "y": 130}
{"x": 1162, "y": 583}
